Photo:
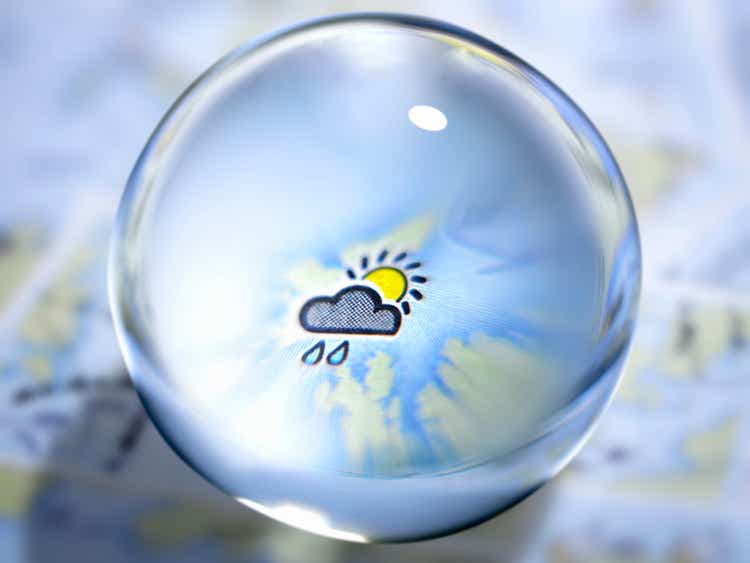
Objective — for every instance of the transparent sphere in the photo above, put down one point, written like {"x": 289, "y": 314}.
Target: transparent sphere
{"x": 375, "y": 277}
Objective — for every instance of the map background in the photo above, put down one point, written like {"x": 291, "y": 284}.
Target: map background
{"x": 665, "y": 476}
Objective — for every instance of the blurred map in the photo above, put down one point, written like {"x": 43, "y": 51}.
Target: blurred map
{"x": 666, "y": 475}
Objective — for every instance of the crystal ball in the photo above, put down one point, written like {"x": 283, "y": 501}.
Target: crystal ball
{"x": 375, "y": 276}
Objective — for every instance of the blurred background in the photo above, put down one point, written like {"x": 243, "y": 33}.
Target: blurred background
{"x": 84, "y": 476}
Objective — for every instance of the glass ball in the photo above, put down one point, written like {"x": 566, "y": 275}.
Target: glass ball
{"x": 375, "y": 277}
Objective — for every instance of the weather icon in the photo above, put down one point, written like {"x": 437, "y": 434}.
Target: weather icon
{"x": 368, "y": 310}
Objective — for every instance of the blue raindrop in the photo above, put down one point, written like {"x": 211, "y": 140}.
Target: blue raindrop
{"x": 339, "y": 354}
{"x": 314, "y": 354}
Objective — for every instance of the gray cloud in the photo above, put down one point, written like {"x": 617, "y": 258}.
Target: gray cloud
{"x": 357, "y": 309}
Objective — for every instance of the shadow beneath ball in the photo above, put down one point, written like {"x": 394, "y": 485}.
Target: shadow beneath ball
{"x": 110, "y": 489}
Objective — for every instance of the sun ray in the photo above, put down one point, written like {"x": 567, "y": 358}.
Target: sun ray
{"x": 351, "y": 274}
{"x": 405, "y": 307}
{"x": 416, "y": 294}
{"x": 364, "y": 262}
{"x": 412, "y": 266}
{"x": 382, "y": 256}
{"x": 418, "y": 279}
{"x": 400, "y": 257}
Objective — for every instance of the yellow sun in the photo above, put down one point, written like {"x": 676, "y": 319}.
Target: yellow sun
{"x": 391, "y": 281}
{"x": 394, "y": 281}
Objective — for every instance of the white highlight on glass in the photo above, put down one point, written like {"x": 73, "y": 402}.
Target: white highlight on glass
{"x": 428, "y": 118}
{"x": 304, "y": 519}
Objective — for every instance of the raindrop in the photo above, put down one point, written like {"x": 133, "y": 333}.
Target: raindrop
{"x": 313, "y": 355}
{"x": 339, "y": 354}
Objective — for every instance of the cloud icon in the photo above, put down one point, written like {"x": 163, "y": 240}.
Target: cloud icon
{"x": 357, "y": 309}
